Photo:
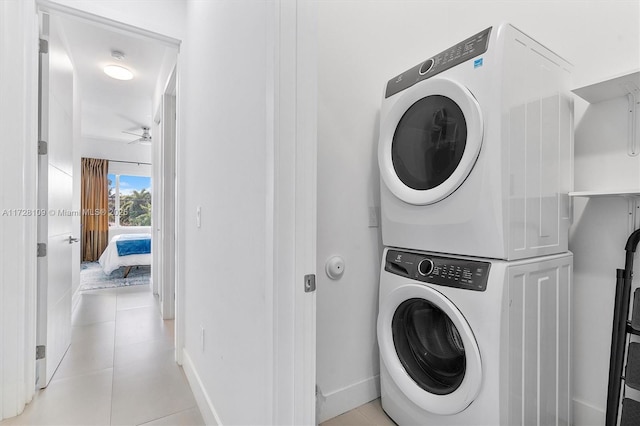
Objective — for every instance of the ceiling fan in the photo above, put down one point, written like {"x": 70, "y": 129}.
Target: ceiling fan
{"x": 144, "y": 138}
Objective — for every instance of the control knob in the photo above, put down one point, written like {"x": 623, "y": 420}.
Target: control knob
{"x": 425, "y": 267}
{"x": 426, "y": 67}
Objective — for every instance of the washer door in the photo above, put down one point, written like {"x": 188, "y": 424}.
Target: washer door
{"x": 429, "y": 349}
{"x": 430, "y": 141}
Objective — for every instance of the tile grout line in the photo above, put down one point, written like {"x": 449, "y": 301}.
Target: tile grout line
{"x": 168, "y": 415}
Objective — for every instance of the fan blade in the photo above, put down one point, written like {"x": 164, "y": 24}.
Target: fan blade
{"x": 134, "y": 141}
{"x": 134, "y": 134}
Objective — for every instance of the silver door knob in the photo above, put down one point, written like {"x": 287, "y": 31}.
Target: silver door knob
{"x": 72, "y": 240}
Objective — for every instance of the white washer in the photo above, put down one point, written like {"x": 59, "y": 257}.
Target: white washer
{"x": 470, "y": 341}
{"x": 476, "y": 148}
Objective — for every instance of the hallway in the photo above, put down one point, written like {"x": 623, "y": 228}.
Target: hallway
{"x": 119, "y": 369}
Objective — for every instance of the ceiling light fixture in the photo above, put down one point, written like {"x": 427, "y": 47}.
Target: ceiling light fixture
{"x": 118, "y": 72}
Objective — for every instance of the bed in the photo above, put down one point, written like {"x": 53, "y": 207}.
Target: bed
{"x": 126, "y": 250}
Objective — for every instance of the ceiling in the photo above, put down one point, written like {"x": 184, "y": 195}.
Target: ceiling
{"x": 109, "y": 106}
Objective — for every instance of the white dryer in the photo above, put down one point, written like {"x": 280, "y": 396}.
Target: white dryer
{"x": 476, "y": 148}
{"x": 469, "y": 341}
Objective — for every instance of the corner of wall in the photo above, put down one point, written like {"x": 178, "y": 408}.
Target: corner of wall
{"x": 203, "y": 400}
{"x": 343, "y": 400}
{"x": 586, "y": 415}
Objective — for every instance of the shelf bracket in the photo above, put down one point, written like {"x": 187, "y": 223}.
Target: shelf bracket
{"x": 633, "y": 204}
{"x": 633, "y": 98}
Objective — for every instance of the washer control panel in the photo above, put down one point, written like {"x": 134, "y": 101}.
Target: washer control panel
{"x": 470, "y": 48}
{"x": 440, "y": 270}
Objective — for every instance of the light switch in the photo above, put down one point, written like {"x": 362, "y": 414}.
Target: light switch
{"x": 198, "y": 216}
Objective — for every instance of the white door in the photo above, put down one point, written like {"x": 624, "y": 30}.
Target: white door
{"x": 55, "y": 180}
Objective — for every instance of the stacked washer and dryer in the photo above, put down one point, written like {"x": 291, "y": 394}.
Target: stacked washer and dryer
{"x": 475, "y": 156}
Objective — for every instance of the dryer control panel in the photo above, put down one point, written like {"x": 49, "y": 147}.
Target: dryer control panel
{"x": 440, "y": 270}
{"x": 461, "y": 52}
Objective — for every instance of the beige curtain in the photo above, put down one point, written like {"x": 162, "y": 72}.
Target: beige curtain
{"x": 95, "y": 208}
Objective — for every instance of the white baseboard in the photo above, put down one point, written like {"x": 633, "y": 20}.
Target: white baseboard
{"x": 209, "y": 414}
{"x": 585, "y": 414}
{"x": 345, "y": 399}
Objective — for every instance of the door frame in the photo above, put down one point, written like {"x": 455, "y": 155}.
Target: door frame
{"x": 164, "y": 227}
{"x": 168, "y": 173}
{"x": 42, "y": 194}
{"x": 48, "y": 7}
{"x": 293, "y": 166}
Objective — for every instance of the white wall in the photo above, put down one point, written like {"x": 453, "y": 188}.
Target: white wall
{"x": 18, "y": 135}
{"x": 115, "y": 150}
{"x": 361, "y": 46}
{"x": 164, "y": 17}
{"x": 223, "y": 141}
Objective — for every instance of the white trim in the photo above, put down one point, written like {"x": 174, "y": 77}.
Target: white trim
{"x": 585, "y": 414}
{"x": 205, "y": 405}
{"x": 342, "y": 400}
{"x": 168, "y": 231}
{"x": 292, "y": 247}
{"x": 50, "y": 6}
{"x": 271, "y": 101}
{"x": 306, "y": 209}
{"x": 180, "y": 189}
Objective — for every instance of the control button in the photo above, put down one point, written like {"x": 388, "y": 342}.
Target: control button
{"x": 426, "y": 67}
{"x": 425, "y": 267}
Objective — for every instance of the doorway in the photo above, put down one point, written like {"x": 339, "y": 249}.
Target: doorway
{"x": 110, "y": 119}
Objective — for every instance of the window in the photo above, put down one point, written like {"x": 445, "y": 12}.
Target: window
{"x": 129, "y": 200}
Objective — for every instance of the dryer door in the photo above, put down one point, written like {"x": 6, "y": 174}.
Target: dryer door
{"x": 429, "y": 349}
{"x": 430, "y": 141}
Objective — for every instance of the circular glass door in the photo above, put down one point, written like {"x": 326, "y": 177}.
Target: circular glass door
{"x": 429, "y": 346}
{"x": 429, "y": 349}
{"x": 429, "y": 141}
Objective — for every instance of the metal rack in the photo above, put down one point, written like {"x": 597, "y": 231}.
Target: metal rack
{"x": 622, "y": 327}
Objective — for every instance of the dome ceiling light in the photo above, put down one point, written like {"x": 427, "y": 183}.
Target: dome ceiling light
{"x": 116, "y": 71}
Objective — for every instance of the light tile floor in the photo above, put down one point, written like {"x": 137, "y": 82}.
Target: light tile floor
{"x": 366, "y": 415}
{"x": 119, "y": 369}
